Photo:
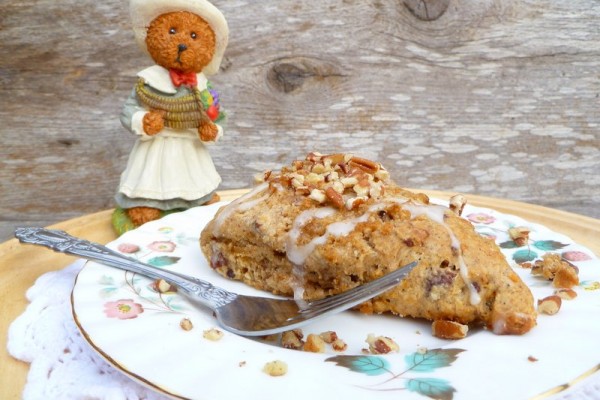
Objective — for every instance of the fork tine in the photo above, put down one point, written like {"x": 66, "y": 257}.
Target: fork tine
{"x": 359, "y": 293}
{"x": 312, "y": 311}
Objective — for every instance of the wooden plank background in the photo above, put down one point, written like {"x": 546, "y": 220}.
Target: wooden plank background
{"x": 491, "y": 97}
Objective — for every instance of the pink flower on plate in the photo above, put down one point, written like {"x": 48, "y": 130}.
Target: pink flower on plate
{"x": 123, "y": 309}
{"x": 162, "y": 246}
{"x": 481, "y": 218}
{"x": 128, "y": 248}
{"x": 575, "y": 256}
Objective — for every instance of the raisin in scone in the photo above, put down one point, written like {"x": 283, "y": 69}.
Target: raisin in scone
{"x": 328, "y": 223}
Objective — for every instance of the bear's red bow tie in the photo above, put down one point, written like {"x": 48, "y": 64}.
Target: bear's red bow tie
{"x": 183, "y": 78}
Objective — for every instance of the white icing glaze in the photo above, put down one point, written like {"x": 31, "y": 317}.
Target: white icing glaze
{"x": 298, "y": 254}
{"x": 296, "y": 282}
{"x": 436, "y": 214}
{"x": 499, "y": 325}
{"x": 242, "y": 203}
{"x": 344, "y": 228}
{"x": 251, "y": 203}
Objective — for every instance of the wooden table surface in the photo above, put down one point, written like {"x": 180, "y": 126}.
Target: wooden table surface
{"x": 490, "y": 97}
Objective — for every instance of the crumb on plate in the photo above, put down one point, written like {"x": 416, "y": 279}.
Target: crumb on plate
{"x": 213, "y": 334}
{"x": 275, "y": 368}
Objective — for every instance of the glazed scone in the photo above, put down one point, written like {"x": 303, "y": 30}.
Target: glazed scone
{"x": 328, "y": 223}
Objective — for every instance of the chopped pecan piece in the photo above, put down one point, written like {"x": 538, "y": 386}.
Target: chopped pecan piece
{"x": 519, "y": 235}
{"x": 340, "y": 177}
{"x": 186, "y": 324}
{"x": 335, "y": 198}
{"x": 329, "y": 336}
{"x": 566, "y": 294}
{"x": 368, "y": 166}
{"x": 213, "y": 334}
{"x": 554, "y": 268}
{"x": 449, "y": 329}
{"x": 381, "y": 344}
{"x": 457, "y": 204}
{"x": 339, "y": 345}
{"x": 549, "y": 305}
{"x": 314, "y": 344}
{"x": 292, "y": 339}
{"x": 162, "y": 286}
{"x": 566, "y": 277}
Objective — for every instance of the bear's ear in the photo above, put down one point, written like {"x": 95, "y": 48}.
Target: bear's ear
{"x": 143, "y": 12}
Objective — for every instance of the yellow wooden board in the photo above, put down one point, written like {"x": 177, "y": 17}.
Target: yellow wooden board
{"x": 21, "y": 265}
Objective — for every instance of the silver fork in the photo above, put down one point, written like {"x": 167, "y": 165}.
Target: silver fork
{"x": 240, "y": 314}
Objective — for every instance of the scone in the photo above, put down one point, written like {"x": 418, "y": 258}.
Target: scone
{"x": 328, "y": 223}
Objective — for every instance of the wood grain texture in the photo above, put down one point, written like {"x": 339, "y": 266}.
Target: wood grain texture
{"x": 490, "y": 97}
{"x": 21, "y": 265}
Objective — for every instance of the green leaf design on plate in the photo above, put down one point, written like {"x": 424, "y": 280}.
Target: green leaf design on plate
{"x": 163, "y": 261}
{"x": 432, "y": 359}
{"x": 175, "y": 305}
{"x": 106, "y": 280}
{"x": 548, "y": 245}
{"x": 590, "y": 285}
{"x": 183, "y": 239}
{"x": 510, "y": 244}
{"x": 434, "y": 388}
{"x": 525, "y": 255}
{"x": 107, "y": 291}
{"x": 368, "y": 365}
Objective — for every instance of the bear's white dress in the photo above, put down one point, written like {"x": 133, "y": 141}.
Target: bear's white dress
{"x": 172, "y": 169}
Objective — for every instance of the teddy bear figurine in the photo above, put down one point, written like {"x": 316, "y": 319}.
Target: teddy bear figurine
{"x": 173, "y": 110}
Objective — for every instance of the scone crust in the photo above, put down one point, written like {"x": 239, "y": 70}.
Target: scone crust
{"x": 255, "y": 243}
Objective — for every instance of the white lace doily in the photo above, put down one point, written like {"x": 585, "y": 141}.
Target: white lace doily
{"x": 64, "y": 366}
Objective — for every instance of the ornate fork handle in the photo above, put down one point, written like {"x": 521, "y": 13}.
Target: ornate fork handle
{"x": 59, "y": 241}
{"x": 204, "y": 292}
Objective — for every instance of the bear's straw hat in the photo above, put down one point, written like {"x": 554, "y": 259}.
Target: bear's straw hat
{"x": 144, "y": 11}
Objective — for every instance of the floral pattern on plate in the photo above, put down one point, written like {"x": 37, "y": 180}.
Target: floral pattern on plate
{"x": 538, "y": 242}
{"x": 421, "y": 361}
{"x": 137, "y": 328}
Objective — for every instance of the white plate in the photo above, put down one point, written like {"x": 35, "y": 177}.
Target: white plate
{"x": 148, "y": 343}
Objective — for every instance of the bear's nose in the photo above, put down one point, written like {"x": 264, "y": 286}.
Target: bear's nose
{"x": 182, "y": 47}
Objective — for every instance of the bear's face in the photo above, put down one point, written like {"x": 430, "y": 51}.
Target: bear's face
{"x": 181, "y": 40}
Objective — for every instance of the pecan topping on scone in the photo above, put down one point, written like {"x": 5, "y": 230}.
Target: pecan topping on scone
{"x": 340, "y": 180}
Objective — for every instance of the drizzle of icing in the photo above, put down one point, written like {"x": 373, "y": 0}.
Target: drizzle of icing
{"x": 297, "y": 286}
{"x": 499, "y": 326}
{"x": 436, "y": 214}
{"x": 242, "y": 203}
{"x": 298, "y": 254}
